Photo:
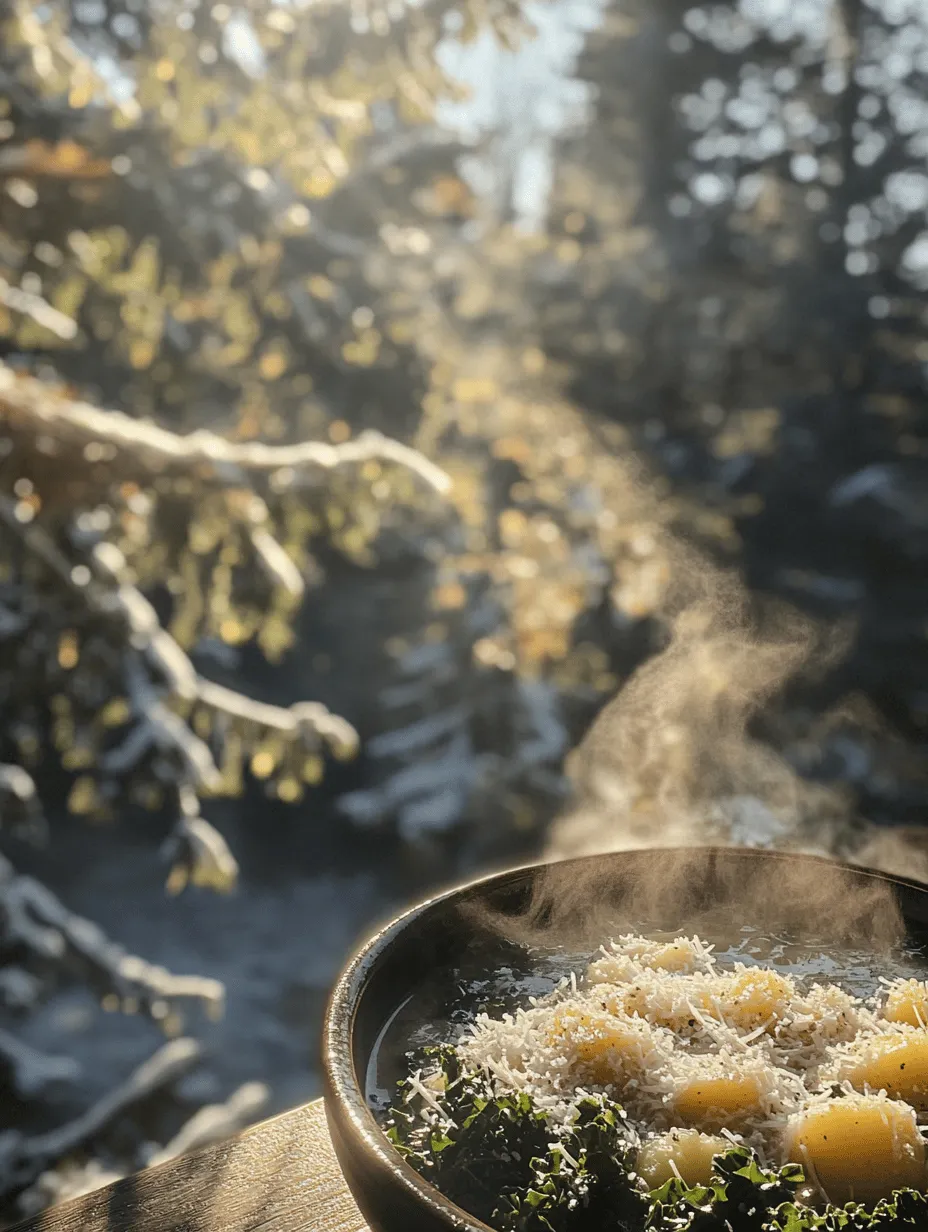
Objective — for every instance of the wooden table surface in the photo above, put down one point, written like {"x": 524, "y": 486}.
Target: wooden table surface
{"x": 278, "y": 1176}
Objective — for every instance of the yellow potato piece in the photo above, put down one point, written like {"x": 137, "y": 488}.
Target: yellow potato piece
{"x": 896, "y": 1064}
{"x": 612, "y": 1049}
{"x": 717, "y": 1103}
{"x": 686, "y": 1152}
{"x": 679, "y": 956}
{"x": 907, "y": 1001}
{"x": 858, "y": 1149}
{"x": 755, "y": 998}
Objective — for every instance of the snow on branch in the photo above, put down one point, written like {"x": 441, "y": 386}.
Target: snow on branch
{"x": 30, "y": 404}
{"x": 133, "y": 708}
{"x": 210, "y": 1124}
{"x": 198, "y": 853}
{"x": 214, "y": 1122}
{"x": 35, "y": 919}
{"x": 24, "y": 1157}
{"x": 301, "y": 720}
{"x": 158, "y": 673}
{"x": 20, "y": 807}
{"x": 31, "y": 1072}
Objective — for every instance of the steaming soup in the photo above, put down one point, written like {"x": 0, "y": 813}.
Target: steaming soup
{"x": 664, "y": 1075}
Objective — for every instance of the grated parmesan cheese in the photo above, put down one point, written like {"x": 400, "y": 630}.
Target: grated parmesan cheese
{"x": 688, "y": 1048}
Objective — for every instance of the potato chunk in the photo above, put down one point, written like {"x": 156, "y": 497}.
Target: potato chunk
{"x": 718, "y": 1102}
{"x": 627, "y": 955}
{"x": 907, "y": 1002}
{"x": 611, "y": 1049}
{"x": 682, "y": 1152}
{"x": 896, "y": 1064}
{"x": 755, "y": 998}
{"x": 859, "y": 1148}
{"x": 680, "y": 956}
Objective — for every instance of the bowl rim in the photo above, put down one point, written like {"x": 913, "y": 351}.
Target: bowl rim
{"x": 343, "y": 1087}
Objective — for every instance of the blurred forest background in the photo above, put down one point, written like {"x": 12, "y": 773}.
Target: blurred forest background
{"x": 384, "y": 383}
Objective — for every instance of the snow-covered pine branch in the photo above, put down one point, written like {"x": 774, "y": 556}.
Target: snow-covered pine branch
{"x": 135, "y": 446}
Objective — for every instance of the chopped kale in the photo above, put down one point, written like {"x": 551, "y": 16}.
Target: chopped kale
{"x": 501, "y": 1158}
{"x": 586, "y": 1178}
{"x": 482, "y": 1150}
{"x": 905, "y": 1210}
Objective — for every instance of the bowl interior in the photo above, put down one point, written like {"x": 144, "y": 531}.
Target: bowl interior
{"x": 490, "y": 944}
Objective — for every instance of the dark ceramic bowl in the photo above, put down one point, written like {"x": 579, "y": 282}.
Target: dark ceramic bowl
{"x": 576, "y": 899}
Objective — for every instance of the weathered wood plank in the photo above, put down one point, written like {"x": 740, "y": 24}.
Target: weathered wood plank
{"x": 278, "y": 1176}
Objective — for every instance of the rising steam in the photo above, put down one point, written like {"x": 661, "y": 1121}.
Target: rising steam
{"x": 671, "y": 762}
{"x": 709, "y": 891}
